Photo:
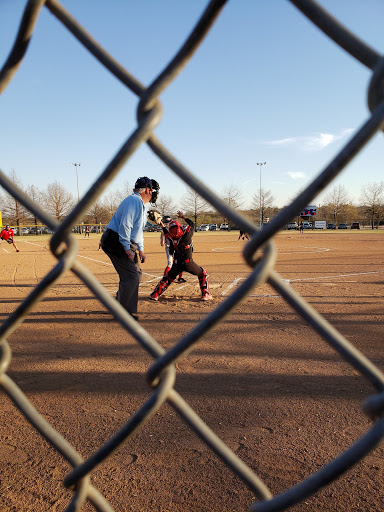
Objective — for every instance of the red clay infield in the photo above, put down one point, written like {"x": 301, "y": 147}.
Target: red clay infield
{"x": 270, "y": 387}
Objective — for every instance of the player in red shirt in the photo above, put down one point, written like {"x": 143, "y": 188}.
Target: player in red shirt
{"x": 181, "y": 239}
{"x": 7, "y": 234}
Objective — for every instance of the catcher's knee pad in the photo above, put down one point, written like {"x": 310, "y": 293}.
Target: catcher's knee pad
{"x": 163, "y": 285}
{"x": 203, "y": 280}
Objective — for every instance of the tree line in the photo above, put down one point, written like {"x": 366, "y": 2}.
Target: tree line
{"x": 337, "y": 206}
{"x": 55, "y": 199}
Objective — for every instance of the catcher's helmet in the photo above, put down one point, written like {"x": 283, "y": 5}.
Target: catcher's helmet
{"x": 175, "y": 230}
{"x": 167, "y": 219}
{"x": 145, "y": 182}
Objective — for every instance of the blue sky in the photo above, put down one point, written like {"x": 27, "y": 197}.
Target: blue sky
{"x": 265, "y": 86}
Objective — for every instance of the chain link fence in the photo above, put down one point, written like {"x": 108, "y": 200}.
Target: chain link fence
{"x": 161, "y": 375}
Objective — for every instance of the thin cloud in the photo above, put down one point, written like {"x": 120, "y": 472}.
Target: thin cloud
{"x": 296, "y": 175}
{"x": 310, "y": 143}
{"x": 249, "y": 181}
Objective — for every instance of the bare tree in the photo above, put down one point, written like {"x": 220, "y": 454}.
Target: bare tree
{"x": 124, "y": 191}
{"x": 264, "y": 199}
{"x": 194, "y": 204}
{"x": 372, "y": 202}
{"x": 13, "y": 211}
{"x": 110, "y": 202}
{"x": 2, "y": 201}
{"x": 336, "y": 202}
{"x": 58, "y": 202}
{"x": 165, "y": 205}
{"x": 97, "y": 215}
{"x": 232, "y": 195}
{"x": 35, "y": 194}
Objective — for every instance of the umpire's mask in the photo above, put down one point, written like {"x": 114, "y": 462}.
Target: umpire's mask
{"x": 145, "y": 182}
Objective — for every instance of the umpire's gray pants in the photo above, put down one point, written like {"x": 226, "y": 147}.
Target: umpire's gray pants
{"x": 130, "y": 275}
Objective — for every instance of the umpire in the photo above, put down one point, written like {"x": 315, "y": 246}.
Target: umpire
{"x": 123, "y": 241}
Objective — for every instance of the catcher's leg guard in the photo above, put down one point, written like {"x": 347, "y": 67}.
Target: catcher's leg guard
{"x": 167, "y": 269}
{"x": 181, "y": 279}
{"x": 203, "y": 282}
{"x": 161, "y": 287}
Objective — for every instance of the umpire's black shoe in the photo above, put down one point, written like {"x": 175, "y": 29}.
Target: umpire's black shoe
{"x": 135, "y": 317}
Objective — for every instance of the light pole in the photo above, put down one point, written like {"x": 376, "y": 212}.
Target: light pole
{"x": 77, "y": 180}
{"x": 261, "y": 164}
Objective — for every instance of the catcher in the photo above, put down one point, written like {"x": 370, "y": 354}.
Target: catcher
{"x": 169, "y": 250}
{"x": 8, "y": 234}
{"x": 180, "y": 238}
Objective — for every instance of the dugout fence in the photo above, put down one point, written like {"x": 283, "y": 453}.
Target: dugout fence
{"x": 161, "y": 375}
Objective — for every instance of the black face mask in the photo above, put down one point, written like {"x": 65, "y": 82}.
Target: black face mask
{"x": 155, "y": 192}
{"x": 145, "y": 182}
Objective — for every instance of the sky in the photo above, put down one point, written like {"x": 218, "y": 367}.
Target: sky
{"x": 266, "y": 85}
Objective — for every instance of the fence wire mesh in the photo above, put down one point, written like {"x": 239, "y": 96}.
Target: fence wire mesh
{"x": 161, "y": 375}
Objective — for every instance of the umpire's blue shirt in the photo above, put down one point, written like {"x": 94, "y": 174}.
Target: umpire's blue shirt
{"x": 129, "y": 221}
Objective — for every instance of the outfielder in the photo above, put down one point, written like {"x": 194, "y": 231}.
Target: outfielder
{"x": 243, "y": 235}
{"x": 7, "y": 234}
{"x": 181, "y": 240}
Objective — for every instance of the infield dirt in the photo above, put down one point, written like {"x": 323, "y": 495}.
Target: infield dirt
{"x": 280, "y": 397}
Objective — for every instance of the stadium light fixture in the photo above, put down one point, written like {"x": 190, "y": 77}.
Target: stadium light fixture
{"x": 77, "y": 180}
{"x": 261, "y": 165}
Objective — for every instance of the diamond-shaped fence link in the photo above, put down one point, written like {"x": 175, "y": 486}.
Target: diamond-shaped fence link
{"x": 161, "y": 375}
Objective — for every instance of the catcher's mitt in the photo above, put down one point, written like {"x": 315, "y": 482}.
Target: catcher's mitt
{"x": 155, "y": 216}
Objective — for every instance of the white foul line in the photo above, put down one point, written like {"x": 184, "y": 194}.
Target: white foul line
{"x": 234, "y": 283}
{"x": 318, "y": 249}
{"x": 31, "y": 243}
{"x": 293, "y": 253}
{"x": 97, "y": 261}
{"x": 221, "y": 249}
{"x": 110, "y": 264}
{"x": 339, "y": 275}
{"x": 155, "y": 278}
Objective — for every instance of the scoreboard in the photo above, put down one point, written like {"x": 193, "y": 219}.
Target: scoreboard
{"x": 309, "y": 211}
